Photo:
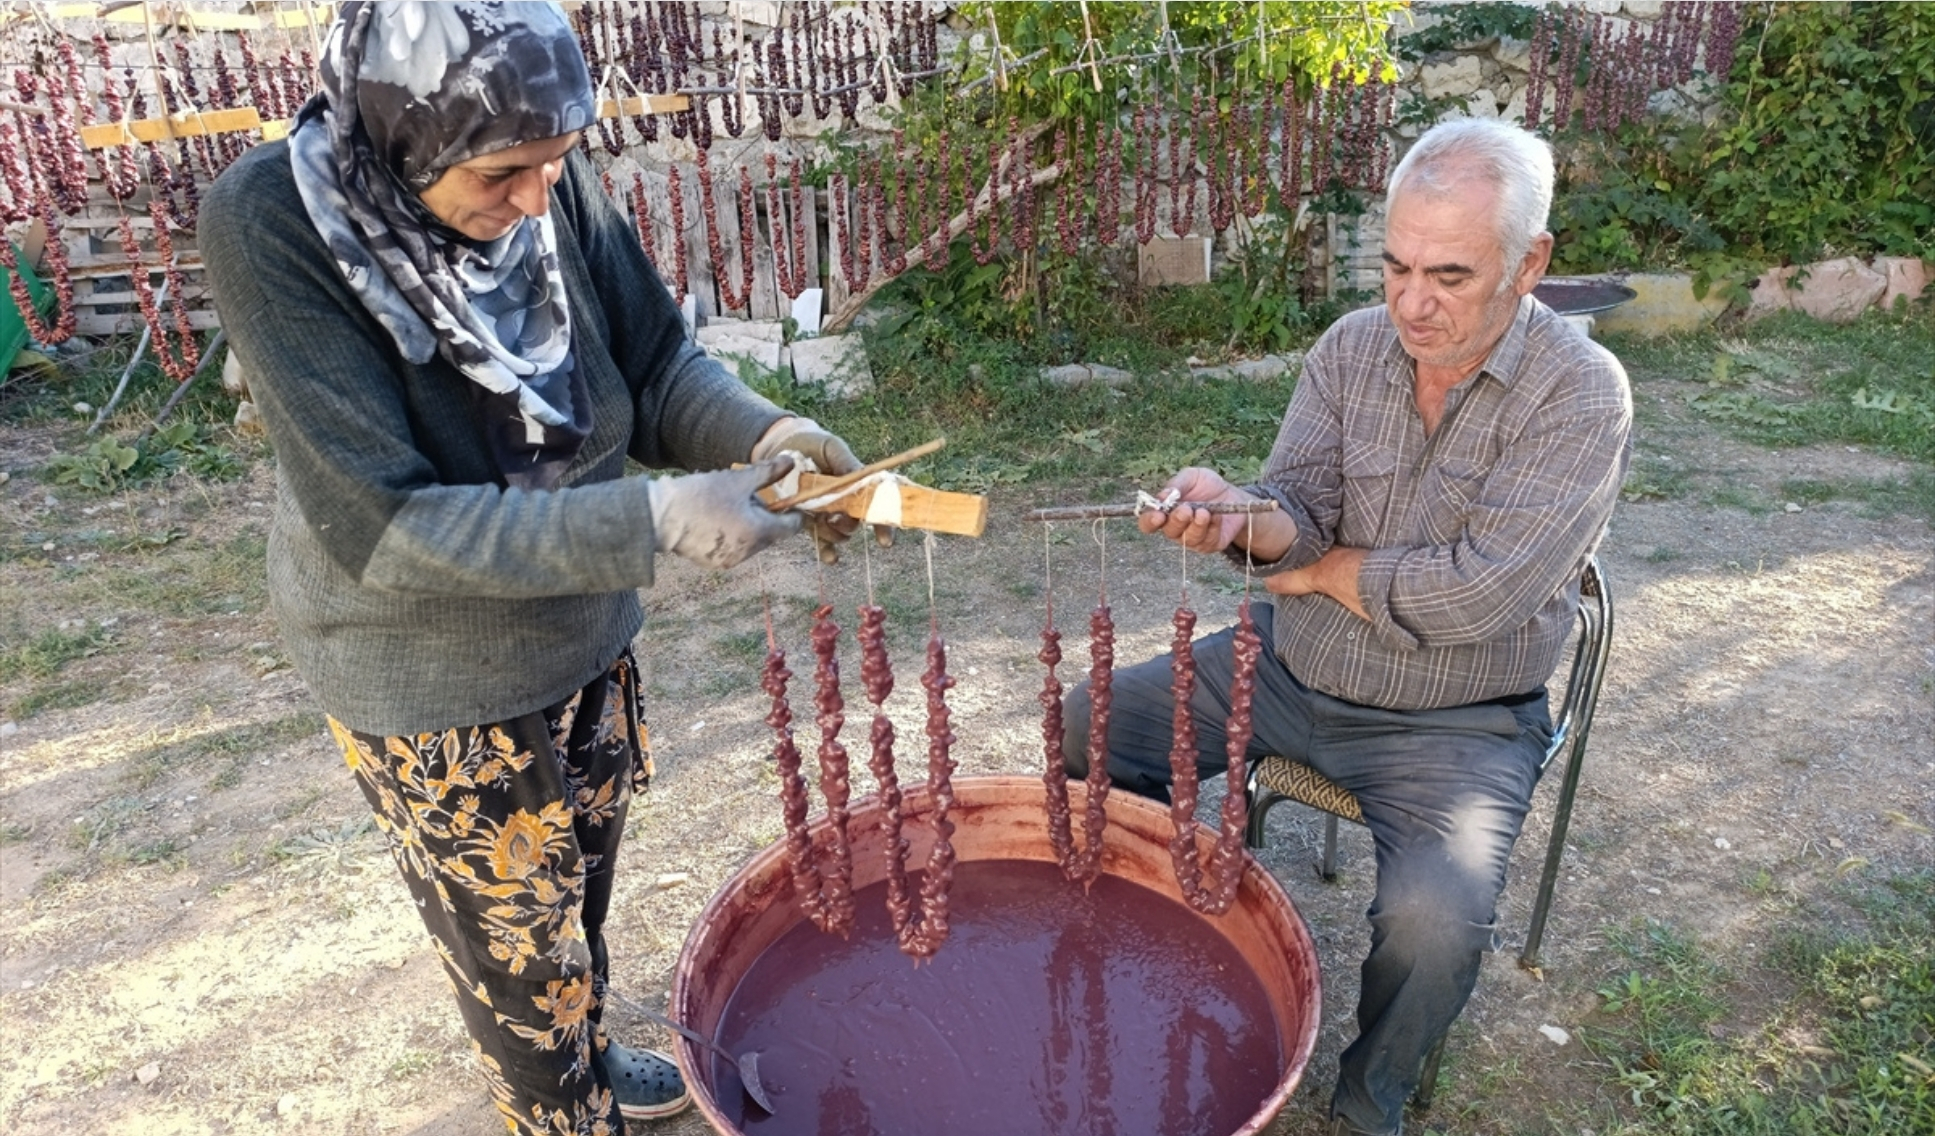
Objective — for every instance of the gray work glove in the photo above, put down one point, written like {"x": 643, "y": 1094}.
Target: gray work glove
{"x": 714, "y": 519}
{"x": 828, "y": 455}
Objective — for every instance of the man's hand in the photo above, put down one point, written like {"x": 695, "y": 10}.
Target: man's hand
{"x": 1334, "y": 574}
{"x": 828, "y": 455}
{"x": 714, "y": 519}
{"x": 1266, "y": 535}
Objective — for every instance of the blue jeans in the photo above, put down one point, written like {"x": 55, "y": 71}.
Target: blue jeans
{"x": 1444, "y": 793}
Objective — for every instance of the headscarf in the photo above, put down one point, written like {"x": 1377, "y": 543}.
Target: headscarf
{"x": 410, "y": 89}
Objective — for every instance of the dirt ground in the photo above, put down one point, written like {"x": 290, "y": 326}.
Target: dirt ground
{"x": 203, "y": 935}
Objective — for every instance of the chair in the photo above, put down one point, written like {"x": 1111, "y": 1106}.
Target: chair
{"x": 1274, "y": 779}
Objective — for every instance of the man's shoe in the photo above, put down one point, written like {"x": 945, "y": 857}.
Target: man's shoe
{"x": 645, "y": 1082}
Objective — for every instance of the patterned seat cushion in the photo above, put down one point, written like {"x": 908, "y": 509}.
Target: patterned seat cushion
{"x": 1301, "y": 783}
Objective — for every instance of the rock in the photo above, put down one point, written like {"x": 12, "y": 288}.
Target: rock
{"x": 286, "y": 1106}
{"x": 1481, "y": 103}
{"x": 672, "y": 880}
{"x": 1771, "y": 293}
{"x": 1459, "y": 75}
{"x": 1839, "y": 290}
{"x": 147, "y": 1073}
{"x": 837, "y": 363}
{"x": 1083, "y": 374}
{"x": 1907, "y": 279}
{"x": 1267, "y": 369}
{"x": 1555, "y": 1035}
{"x": 1513, "y": 53}
{"x": 9, "y": 729}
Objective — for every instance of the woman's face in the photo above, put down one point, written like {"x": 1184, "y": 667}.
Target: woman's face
{"x": 485, "y": 198}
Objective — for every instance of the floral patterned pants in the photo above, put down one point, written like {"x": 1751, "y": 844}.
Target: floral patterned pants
{"x": 506, "y": 835}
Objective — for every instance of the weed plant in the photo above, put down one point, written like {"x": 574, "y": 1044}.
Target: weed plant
{"x": 1846, "y": 1052}
{"x": 1790, "y": 381}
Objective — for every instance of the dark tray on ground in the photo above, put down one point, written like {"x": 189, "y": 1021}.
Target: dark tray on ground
{"x": 1577, "y": 296}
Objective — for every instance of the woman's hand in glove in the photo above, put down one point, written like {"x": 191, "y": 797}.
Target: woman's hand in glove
{"x": 828, "y": 455}
{"x": 714, "y": 519}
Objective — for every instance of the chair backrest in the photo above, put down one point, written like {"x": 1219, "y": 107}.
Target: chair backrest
{"x": 1588, "y": 663}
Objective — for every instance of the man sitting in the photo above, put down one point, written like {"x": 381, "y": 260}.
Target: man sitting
{"x": 1446, "y": 467}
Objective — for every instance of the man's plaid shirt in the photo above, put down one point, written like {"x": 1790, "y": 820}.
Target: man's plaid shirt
{"x": 1477, "y": 534}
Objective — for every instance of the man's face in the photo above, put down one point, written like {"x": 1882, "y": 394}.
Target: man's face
{"x": 485, "y": 198}
{"x": 1446, "y": 284}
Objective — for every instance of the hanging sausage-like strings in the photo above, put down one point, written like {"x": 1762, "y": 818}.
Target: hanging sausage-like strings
{"x": 824, "y": 882}
{"x": 1084, "y": 865}
{"x": 1225, "y": 868}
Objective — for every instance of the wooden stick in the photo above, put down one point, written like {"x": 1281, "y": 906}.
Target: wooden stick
{"x": 863, "y": 472}
{"x": 1100, "y": 512}
{"x": 932, "y": 510}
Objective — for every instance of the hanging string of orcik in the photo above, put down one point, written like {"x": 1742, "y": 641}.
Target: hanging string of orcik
{"x": 44, "y": 167}
{"x": 823, "y": 878}
{"x": 1215, "y": 159}
{"x": 1207, "y": 887}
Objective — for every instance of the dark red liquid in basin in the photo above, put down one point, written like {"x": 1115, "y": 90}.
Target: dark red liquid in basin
{"x": 1049, "y": 1011}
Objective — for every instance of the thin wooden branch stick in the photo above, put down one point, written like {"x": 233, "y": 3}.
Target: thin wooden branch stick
{"x": 830, "y": 488}
{"x": 1102, "y": 512}
{"x": 996, "y": 192}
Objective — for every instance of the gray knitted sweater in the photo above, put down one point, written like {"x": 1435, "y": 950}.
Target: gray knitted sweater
{"x": 413, "y": 589}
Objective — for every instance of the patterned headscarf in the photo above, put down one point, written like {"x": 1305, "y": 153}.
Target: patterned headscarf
{"x": 410, "y": 89}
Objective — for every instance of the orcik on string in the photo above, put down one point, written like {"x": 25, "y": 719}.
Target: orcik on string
{"x": 823, "y": 878}
{"x": 1225, "y": 866}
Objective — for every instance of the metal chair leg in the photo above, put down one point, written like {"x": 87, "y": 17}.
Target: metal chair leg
{"x": 1260, "y": 803}
{"x": 1427, "y": 1089}
{"x": 1329, "y": 868}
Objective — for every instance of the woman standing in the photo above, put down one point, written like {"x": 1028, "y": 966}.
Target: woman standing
{"x": 456, "y": 343}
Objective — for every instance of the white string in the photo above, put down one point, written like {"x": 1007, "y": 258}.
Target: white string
{"x": 927, "y": 543}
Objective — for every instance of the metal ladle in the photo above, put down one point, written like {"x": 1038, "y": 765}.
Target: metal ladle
{"x": 747, "y": 1063}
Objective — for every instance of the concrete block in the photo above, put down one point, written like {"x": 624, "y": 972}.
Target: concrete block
{"x": 808, "y": 310}
{"x": 836, "y": 362}
{"x": 770, "y": 331}
{"x": 1663, "y": 303}
{"x": 734, "y": 351}
{"x": 1908, "y": 279}
{"x": 1839, "y": 290}
{"x": 1460, "y": 75}
{"x": 1173, "y": 260}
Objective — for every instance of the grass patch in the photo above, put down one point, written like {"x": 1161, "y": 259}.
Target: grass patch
{"x": 240, "y": 744}
{"x": 1789, "y": 381}
{"x": 1845, "y": 1053}
{"x": 181, "y": 580}
{"x": 57, "y": 696}
{"x": 43, "y": 655}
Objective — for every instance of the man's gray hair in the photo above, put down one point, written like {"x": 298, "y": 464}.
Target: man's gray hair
{"x": 1516, "y": 162}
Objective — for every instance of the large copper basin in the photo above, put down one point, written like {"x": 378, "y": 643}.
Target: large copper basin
{"x": 997, "y": 818}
